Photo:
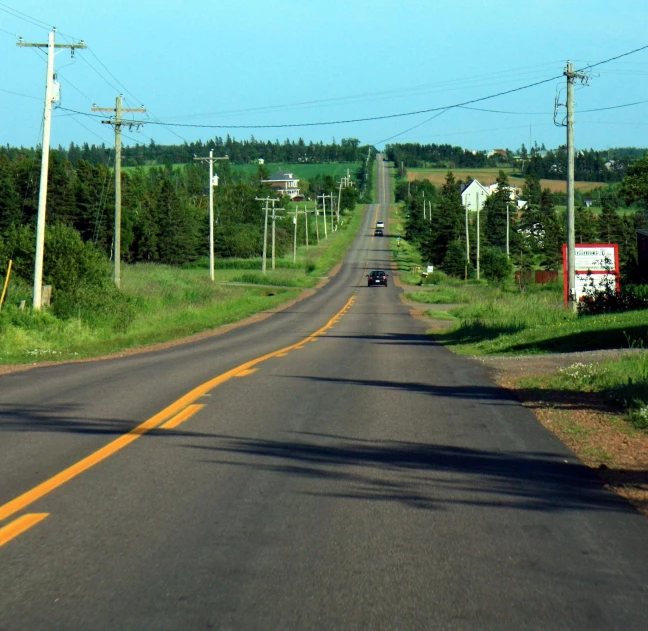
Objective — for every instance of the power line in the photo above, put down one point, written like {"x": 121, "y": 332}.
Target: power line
{"x": 351, "y": 120}
{"x": 607, "y": 61}
{"x": 27, "y": 96}
{"x": 410, "y": 129}
{"x": 23, "y": 16}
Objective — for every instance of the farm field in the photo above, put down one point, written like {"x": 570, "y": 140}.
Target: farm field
{"x": 302, "y": 171}
{"x": 488, "y": 176}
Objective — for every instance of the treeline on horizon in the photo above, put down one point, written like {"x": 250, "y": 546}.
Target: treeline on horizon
{"x": 239, "y": 152}
{"x": 591, "y": 165}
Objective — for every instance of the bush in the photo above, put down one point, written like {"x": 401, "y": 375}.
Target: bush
{"x": 98, "y": 306}
{"x": 455, "y": 261}
{"x": 608, "y": 300}
{"x": 495, "y": 265}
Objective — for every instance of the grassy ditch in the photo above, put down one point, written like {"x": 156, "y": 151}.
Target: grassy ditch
{"x": 166, "y": 303}
{"x": 159, "y": 303}
{"x": 495, "y": 320}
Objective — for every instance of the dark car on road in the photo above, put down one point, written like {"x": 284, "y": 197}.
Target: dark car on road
{"x": 378, "y": 232}
{"x": 377, "y": 277}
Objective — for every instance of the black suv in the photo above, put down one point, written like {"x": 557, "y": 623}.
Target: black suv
{"x": 377, "y": 277}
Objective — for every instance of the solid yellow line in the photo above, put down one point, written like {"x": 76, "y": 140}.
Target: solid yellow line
{"x": 42, "y": 489}
{"x": 20, "y": 525}
{"x": 182, "y": 416}
{"x": 245, "y": 373}
{"x": 281, "y": 354}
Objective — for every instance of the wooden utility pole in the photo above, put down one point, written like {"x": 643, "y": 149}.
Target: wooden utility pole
{"x": 478, "y": 236}
{"x": 267, "y": 201}
{"x": 323, "y": 197}
{"x": 213, "y": 181}
{"x": 306, "y": 211}
{"x": 295, "y": 238}
{"x": 52, "y": 93}
{"x": 571, "y": 232}
{"x": 117, "y": 123}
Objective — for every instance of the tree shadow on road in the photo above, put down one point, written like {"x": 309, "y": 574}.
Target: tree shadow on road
{"x": 420, "y": 476}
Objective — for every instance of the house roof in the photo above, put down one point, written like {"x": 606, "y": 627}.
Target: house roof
{"x": 643, "y": 233}
{"x": 477, "y": 183}
{"x": 281, "y": 176}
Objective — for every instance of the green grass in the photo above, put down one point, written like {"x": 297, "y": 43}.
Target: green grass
{"x": 173, "y": 302}
{"x": 439, "y": 315}
{"x": 622, "y": 381}
{"x": 170, "y": 303}
{"x": 507, "y": 322}
{"x": 439, "y": 296}
{"x": 302, "y": 171}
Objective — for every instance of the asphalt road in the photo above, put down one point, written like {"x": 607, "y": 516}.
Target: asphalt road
{"x": 269, "y": 478}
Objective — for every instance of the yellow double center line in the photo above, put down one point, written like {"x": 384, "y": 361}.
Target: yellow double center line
{"x": 178, "y": 412}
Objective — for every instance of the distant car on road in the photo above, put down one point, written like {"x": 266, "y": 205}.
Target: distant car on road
{"x": 380, "y": 224}
{"x": 377, "y": 277}
{"x": 378, "y": 232}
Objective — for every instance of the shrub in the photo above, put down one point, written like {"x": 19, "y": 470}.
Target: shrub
{"x": 607, "y": 299}
{"x": 495, "y": 264}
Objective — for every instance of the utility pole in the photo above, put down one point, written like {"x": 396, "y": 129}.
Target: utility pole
{"x": 477, "y": 242}
{"x": 508, "y": 227}
{"x": 468, "y": 239}
{"x": 117, "y": 123}
{"x": 213, "y": 181}
{"x": 52, "y": 93}
{"x": 274, "y": 218}
{"x": 317, "y": 222}
{"x": 267, "y": 200}
{"x": 571, "y": 232}
{"x": 323, "y": 197}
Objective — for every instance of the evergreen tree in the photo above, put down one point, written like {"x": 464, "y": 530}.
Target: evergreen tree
{"x": 10, "y": 206}
{"x": 454, "y": 263}
{"x": 446, "y": 223}
{"x": 552, "y": 233}
{"x": 585, "y": 225}
{"x": 495, "y": 209}
{"x": 178, "y": 238}
{"x": 609, "y": 222}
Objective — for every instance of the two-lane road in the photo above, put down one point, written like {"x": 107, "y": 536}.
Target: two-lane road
{"x": 327, "y": 468}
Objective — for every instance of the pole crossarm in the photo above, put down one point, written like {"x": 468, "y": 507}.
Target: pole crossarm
{"x": 22, "y": 44}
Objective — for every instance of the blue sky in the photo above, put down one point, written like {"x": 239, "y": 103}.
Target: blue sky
{"x": 253, "y": 62}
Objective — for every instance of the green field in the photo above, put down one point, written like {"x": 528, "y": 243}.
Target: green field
{"x": 302, "y": 171}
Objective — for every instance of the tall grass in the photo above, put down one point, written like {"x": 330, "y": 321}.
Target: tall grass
{"x": 503, "y": 320}
{"x": 169, "y": 303}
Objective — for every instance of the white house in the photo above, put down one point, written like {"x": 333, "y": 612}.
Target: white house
{"x": 284, "y": 184}
{"x": 514, "y": 191}
{"x": 474, "y": 196}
